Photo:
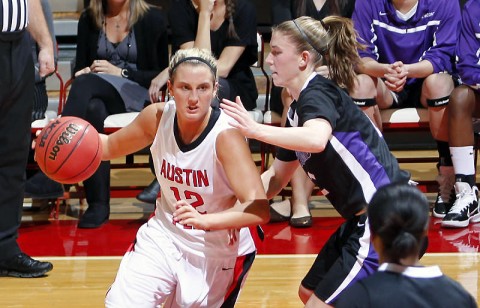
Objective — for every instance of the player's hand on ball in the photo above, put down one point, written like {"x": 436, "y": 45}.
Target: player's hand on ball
{"x": 186, "y": 214}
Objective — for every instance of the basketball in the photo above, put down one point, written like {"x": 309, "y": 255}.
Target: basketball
{"x": 68, "y": 150}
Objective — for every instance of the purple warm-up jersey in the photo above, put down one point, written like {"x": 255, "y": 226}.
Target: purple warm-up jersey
{"x": 430, "y": 34}
{"x": 468, "y": 45}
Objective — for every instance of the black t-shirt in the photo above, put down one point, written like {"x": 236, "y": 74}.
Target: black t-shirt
{"x": 356, "y": 161}
{"x": 283, "y": 10}
{"x": 183, "y": 19}
{"x": 397, "y": 286}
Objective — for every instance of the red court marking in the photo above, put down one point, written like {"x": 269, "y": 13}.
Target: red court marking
{"x": 63, "y": 238}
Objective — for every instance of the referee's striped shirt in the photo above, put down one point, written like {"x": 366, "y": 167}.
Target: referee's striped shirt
{"x": 13, "y": 15}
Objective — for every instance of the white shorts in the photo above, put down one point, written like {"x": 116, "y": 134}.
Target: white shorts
{"x": 155, "y": 270}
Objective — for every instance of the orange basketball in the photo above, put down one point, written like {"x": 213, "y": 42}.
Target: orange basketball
{"x": 68, "y": 150}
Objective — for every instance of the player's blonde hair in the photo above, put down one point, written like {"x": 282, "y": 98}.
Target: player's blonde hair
{"x": 193, "y": 56}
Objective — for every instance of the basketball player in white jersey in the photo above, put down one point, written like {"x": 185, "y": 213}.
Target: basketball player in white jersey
{"x": 188, "y": 254}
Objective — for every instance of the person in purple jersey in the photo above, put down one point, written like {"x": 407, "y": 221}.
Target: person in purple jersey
{"x": 296, "y": 209}
{"x": 465, "y": 104}
{"x": 408, "y": 62}
{"x": 398, "y": 216}
{"x": 328, "y": 135}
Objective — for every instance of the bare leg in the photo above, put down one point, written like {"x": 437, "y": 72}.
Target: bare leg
{"x": 302, "y": 188}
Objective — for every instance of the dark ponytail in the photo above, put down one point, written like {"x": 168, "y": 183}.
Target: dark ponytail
{"x": 229, "y": 14}
{"x": 399, "y": 214}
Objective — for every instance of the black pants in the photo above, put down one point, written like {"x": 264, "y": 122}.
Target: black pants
{"x": 16, "y": 97}
{"x": 94, "y": 99}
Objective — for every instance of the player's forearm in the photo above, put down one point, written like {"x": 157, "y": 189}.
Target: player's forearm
{"x": 245, "y": 214}
{"x": 421, "y": 69}
{"x": 372, "y": 68}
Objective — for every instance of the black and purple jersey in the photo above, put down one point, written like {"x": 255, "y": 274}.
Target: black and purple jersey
{"x": 430, "y": 34}
{"x": 356, "y": 161}
{"x": 468, "y": 45}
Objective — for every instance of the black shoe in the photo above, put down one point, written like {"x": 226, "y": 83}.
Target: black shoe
{"x": 301, "y": 222}
{"x": 150, "y": 193}
{"x": 40, "y": 186}
{"x": 23, "y": 266}
{"x": 94, "y": 217}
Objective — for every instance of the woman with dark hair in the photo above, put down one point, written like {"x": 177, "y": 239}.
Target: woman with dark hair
{"x": 398, "y": 215}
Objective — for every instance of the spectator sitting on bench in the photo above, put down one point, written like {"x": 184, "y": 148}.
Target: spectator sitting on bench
{"x": 408, "y": 62}
{"x": 121, "y": 47}
{"x": 465, "y": 103}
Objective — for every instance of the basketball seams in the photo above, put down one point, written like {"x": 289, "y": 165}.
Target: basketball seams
{"x": 78, "y": 154}
{"x": 87, "y": 167}
{"x": 47, "y": 147}
{"x": 77, "y": 142}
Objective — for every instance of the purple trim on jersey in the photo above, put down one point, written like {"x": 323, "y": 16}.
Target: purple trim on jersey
{"x": 428, "y": 35}
{"x": 468, "y": 45}
{"x": 353, "y": 142}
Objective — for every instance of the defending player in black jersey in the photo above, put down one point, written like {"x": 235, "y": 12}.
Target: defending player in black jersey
{"x": 335, "y": 143}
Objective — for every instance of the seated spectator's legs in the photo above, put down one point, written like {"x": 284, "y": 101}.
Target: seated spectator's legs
{"x": 87, "y": 87}
{"x": 97, "y": 187}
{"x": 435, "y": 94}
{"x": 371, "y": 95}
{"x": 93, "y": 99}
{"x": 464, "y": 104}
{"x": 436, "y": 90}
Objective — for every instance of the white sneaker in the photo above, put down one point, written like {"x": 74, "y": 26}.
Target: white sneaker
{"x": 465, "y": 208}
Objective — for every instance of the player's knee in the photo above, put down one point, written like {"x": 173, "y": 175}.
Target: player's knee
{"x": 364, "y": 87}
{"x": 437, "y": 85}
{"x": 461, "y": 103}
{"x": 304, "y": 294}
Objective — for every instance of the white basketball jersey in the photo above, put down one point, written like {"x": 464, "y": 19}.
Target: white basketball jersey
{"x": 192, "y": 173}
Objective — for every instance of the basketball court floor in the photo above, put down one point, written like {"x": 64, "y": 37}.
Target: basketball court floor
{"x": 85, "y": 261}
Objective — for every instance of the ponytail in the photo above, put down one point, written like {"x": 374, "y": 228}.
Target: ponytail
{"x": 230, "y": 12}
{"x": 341, "y": 53}
{"x": 331, "y": 42}
{"x": 398, "y": 214}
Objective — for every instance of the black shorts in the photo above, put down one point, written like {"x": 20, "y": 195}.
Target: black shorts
{"x": 346, "y": 257}
{"x": 409, "y": 96}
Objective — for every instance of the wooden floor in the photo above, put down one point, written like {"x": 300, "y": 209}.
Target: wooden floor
{"x": 272, "y": 282}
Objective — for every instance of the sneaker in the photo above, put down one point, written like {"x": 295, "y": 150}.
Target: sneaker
{"x": 446, "y": 191}
{"x": 23, "y": 266}
{"x": 465, "y": 208}
{"x": 441, "y": 207}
